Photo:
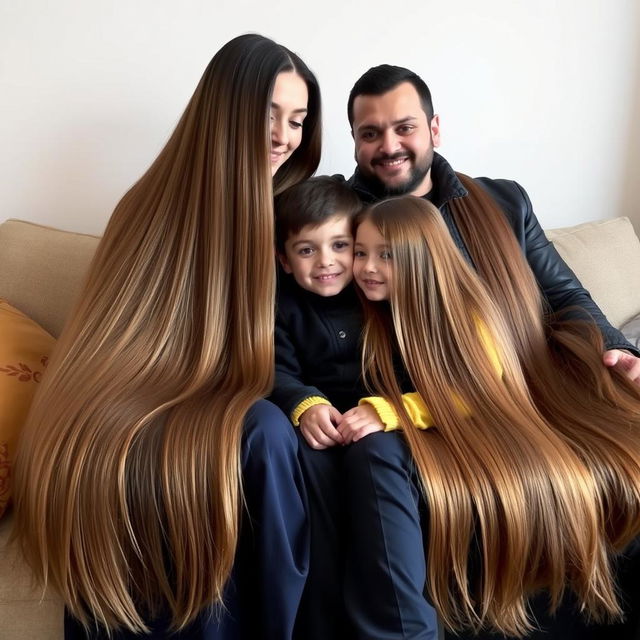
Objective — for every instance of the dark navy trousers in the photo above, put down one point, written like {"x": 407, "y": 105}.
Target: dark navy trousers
{"x": 367, "y": 571}
{"x": 268, "y": 577}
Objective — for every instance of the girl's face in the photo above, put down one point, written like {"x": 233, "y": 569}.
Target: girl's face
{"x": 372, "y": 262}
{"x": 288, "y": 111}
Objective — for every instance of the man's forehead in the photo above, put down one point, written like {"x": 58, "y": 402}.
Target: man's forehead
{"x": 397, "y": 104}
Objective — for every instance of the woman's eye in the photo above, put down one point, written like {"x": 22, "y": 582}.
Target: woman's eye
{"x": 295, "y": 125}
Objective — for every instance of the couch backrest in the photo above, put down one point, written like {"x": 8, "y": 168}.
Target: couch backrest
{"x": 42, "y": 270}
{"x": 605, "y": 255}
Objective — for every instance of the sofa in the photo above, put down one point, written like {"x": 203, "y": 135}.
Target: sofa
{"x": 41, "y": 272}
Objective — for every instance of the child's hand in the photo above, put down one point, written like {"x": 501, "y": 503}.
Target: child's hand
{"x": 359, "y": 422}
{"x": 317, "y": 424}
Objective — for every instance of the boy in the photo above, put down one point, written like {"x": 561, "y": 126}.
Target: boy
{"x": 318, "y": 317}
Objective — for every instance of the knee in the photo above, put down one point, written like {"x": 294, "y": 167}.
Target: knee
{"x": 376, "y": 448}
{"x": 268, "y": 431}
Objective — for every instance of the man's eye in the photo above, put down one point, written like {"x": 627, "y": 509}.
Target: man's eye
{"x": 368, "y": 135}
{"x": 405, "y": 128}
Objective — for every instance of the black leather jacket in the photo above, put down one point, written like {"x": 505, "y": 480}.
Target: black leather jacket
{"x": 558, "y": 283}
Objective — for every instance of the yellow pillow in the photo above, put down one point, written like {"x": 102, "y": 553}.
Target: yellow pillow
{"x": 24, "y": 349}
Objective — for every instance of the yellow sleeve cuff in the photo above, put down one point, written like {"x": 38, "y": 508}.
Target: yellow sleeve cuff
{"x": 385, "y": 411}
{"x": 307, "y": 403}
{"x": 413, "y": 404}
{"x": 417, "y": 410}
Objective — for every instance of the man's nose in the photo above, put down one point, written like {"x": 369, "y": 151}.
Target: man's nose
{"x": 389, "y": 142}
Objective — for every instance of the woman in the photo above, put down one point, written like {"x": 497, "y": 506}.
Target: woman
{"x": 149, "y": 432}
{"x": 531, "y": 474}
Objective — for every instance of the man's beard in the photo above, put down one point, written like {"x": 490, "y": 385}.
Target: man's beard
{"x": 417, "y": 175}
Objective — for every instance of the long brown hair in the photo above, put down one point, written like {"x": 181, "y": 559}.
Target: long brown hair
{"x": 131, "y": 453}
{"x": 535, "y": 471}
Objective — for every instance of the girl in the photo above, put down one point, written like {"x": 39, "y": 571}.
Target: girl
{"x": 149, "y": 434}
{"x": 530, "y": 478}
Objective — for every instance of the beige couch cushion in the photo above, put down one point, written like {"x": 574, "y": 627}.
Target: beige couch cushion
{"x": 26, "y": 613}
{"x": 605, "y": 256}
{"x": 42, "y": 269}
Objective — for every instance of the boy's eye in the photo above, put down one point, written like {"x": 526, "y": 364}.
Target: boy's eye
{"x": 341, "y": 244}
{"x": 305, "y": 251}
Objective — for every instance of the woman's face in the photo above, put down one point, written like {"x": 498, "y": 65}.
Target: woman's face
{"x": 372, "y": 262}
{"x": 288, "y": 111}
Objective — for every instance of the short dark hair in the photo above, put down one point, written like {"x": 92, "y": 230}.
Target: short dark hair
{"x": 383, "y": 78}
{"x": 312, "y": 202}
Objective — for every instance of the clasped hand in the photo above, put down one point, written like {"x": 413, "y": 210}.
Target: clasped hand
{"x": 323, "y": 426}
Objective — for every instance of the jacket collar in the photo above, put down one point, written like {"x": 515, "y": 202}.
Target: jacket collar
{"x": 446, "y": 185}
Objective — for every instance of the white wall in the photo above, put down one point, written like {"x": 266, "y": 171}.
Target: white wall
{"x": 545, "y": 92}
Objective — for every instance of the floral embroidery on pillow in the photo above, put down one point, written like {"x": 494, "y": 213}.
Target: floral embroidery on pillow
{"x": 23, "y": 371}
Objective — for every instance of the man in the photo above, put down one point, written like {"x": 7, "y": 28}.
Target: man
{"x": 395, "y": 132}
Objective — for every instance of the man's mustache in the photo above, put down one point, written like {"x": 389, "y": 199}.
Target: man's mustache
{"x": 391, "y": 156}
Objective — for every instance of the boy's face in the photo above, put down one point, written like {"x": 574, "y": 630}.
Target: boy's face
{"x": 320, "y": 258}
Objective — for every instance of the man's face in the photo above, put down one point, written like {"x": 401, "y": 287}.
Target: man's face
{"x": 394, "y": 142}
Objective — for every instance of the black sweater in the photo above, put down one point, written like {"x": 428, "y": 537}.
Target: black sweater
{"x": 317, "y": 343}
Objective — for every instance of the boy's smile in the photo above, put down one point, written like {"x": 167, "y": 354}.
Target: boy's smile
{"x": 320, "y": 258}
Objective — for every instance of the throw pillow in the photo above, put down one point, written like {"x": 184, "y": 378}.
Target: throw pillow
{"x": 24, "y": 349}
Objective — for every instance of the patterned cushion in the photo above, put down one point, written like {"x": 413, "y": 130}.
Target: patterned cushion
{"x": 24, "y": 350}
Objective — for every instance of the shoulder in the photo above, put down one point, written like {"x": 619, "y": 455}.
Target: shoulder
{"x": 506, "y": 192}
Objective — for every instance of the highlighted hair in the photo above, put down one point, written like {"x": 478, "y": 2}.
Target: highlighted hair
{"x": 128, "y": 477}
{"x": 540, "y": 479}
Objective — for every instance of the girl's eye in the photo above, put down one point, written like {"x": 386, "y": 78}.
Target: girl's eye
{"x": 358, "y": 254}
{"x": 386, "y": 255}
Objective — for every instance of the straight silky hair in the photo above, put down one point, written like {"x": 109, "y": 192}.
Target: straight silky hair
{"x": 532, "y": 473}
{"x": 128, "y": 480}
